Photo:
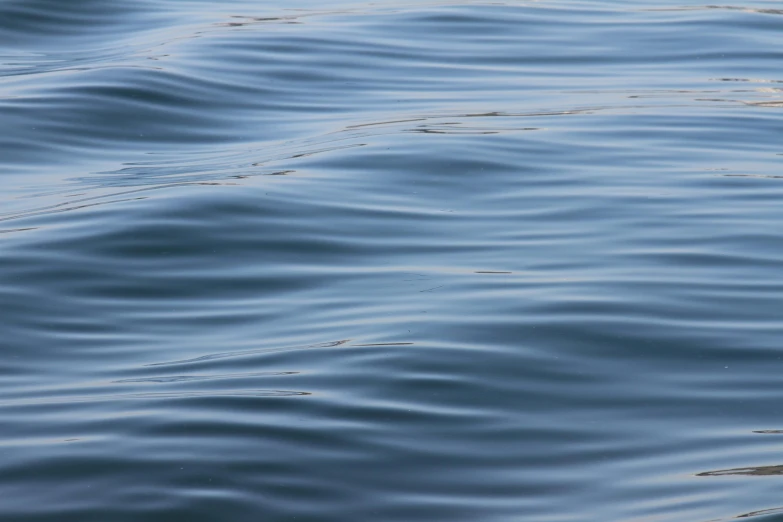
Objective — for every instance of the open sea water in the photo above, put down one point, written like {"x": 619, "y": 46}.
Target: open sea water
{"x": 391, "y": 261}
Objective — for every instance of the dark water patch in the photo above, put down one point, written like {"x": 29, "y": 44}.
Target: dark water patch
{"x": 38, "y": 23}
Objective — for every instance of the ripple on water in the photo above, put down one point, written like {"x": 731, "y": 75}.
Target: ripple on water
{"x": 443, "y": 261}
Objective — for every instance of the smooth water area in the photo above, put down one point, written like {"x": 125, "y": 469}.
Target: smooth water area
{"x": 391, "y": 261}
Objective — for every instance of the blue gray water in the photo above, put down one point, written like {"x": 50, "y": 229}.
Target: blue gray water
{"x": 391, "y": 261}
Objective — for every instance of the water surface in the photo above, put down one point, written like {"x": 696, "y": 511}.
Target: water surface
{"x": 391, "y": 261}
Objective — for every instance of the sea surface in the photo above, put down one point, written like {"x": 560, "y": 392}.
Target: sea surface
{"x": 391, "y": 261}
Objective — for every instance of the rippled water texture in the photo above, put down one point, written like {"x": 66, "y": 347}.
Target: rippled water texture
{"x": 391, "y": 261}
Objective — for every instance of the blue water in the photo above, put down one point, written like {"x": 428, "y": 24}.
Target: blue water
{"x": 391, "y": 261}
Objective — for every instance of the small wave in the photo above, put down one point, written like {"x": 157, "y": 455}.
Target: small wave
{"x": 43, "y": 401}
{"x": 244, "y": 353}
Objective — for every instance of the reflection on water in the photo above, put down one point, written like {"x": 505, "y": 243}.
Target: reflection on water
{"x": 761, "y": 513}
{"x": 423, "y": 261}
{"x": 761, "y": 471}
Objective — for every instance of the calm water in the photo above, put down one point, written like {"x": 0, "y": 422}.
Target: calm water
{"x": 391, "y": 261}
